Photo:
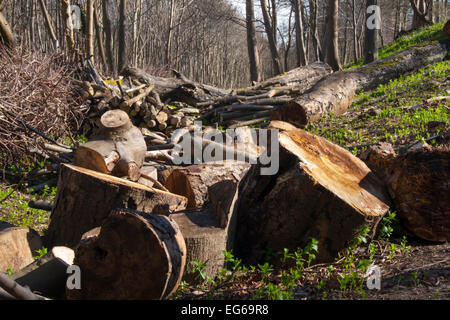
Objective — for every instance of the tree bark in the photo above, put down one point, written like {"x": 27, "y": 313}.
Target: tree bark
{"x": 302, "y": 58}
{"x": 108, "y": 36}
{"x": 333, "y": 35}
{"x": 90, "y": 30}
{"x": 49, "y": 24}
{"x": 85, "y": 198}
{"x": 135, "y": 255}
{"x": 418, "y": 184}
{"x": 253, "y": 53}
{"x": 271, "y": 36}
{"x": 371, "y": 52}
{"x": 122, "y": 59}
{"x": 321, "y": 191}
{"x": 68, "y": 26}
{"x": 6, "y": 34}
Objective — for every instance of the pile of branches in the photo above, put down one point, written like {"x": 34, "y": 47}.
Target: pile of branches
{"x": 36, "y": 99}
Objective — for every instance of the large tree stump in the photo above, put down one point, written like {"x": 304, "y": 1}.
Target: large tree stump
{"x": 419, "y": 185}
{"x": 17, "y": 246}
{"x": 132, "y": 256}
{"x": 85, "y": 198}
{"x": 321, "y": 191}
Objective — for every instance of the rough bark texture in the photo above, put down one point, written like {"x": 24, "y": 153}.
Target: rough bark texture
{"x": 17, "y": 246}
{"x": 205, "y": 242}
{"x": 379, "y": 158}
{"x": 136, "y": 256}
{"x": 85, "y": 198}
{"x": 193, "y": 182}
{"x": 320, "y": 191}
{"x": 47, "y": 275}
{"x": 6, "y": 34}
{"x": 336, "y": 92}
{"x": 419, "y": 186}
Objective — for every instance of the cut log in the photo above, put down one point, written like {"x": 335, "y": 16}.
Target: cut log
{"x": 136, "y": 256}
{"x": 118, "y": 149}
{"x": 85, "y": 198}
{"x": 47, "y": 275}
{"x": 336, "y": 92}
{"x": 194, "y": 181}
{"x": 379, "y": 158}
{"x": 419, "y": 186}
{"x": 17, "y": 246}
{"x": 321, "y": 191}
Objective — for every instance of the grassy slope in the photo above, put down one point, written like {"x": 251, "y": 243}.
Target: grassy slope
{"x": 385, "y": 114}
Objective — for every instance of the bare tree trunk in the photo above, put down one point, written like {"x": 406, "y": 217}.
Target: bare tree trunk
{"x": 302, "y": 59}
{"x": 68, "y": 26}
{"x": 314, "y": 31}
{"x": 108, "y": 36}
{"x": 354, "y": 25}
{"x": 253, "y": 53}
{"x": 333, "y": 35}
{"x": 98, "y": 32}
{"x": 122, "y": 34}
{"x": 271, "y": 32}
{"x": 169, "y": 32}
{"x": 420, "y": 9}
{"x": 49, "y": 24}
{"x": 371, "y": 52}
{"x": 90, "y": 30}
{"x": 6, "y": 34}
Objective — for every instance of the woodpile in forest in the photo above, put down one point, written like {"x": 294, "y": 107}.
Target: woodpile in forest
{"x": 136, "y": 217}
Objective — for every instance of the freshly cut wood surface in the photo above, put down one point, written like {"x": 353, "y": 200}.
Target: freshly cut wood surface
{"x": 321, "y": 191}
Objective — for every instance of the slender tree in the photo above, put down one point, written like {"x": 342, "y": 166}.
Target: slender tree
{"x": 302, "y": 59}
{"x": 271, "y": 36}
{"x": 333, "y": 35}
{"x": 122, "y": 53}
{"x": 371, "y": 52}
{"x": 6, "y": 34}
{"x": 253, "y": 53}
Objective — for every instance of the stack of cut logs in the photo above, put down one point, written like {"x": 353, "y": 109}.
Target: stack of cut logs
{"x": 141, "y": 102}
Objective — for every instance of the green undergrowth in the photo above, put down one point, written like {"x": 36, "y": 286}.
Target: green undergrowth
{"x": 419, "y": 37}
{"x": 401, "y": 112}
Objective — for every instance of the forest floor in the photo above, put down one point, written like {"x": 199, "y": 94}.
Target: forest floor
{"x": 402, "y": 112}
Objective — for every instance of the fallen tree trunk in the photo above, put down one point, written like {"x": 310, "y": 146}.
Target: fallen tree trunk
{"x": 85, "y": 198}
{"x": 335, "y": 93}
{"x": 136, "y": 256}
{"x": 321, "y": 191}
{"x": 419, "y": 185}
{"x": 17, "y": 246}
{"x": 178, "y": 89}
{"x": 47, "y": 275}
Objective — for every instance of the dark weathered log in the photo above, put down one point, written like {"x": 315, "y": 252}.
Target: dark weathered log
{"x": 41, "y": 205}
{"x": 336, "y": 92}
{"x": 17, "y": 246}
{"x": 419, "y": 185}
{"x": 85, "y": 198}
{"x": 136, "y": 256}
{"x": 379, "y": 158}
{"x": 47, "y": 275}
{"x": 321, "y": 191}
